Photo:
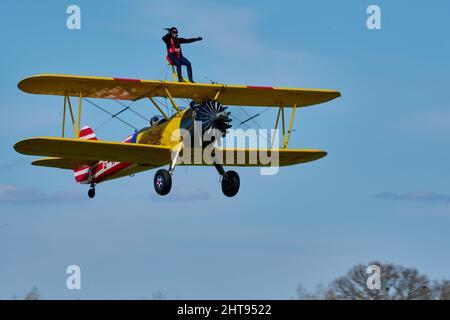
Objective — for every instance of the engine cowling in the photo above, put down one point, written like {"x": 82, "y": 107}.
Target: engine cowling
{"x": 213, "y": 116}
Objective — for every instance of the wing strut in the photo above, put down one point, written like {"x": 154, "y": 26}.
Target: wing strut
{"x": 291, "y": 122}
{"x": 64, "y": 117}
{"x": 67, "y": 102}
{"x": 286, "y": 135}
{"x": 276, "y": 126}
{"x": 79, "y": 114}
{"x": 159, "y": 108}
{"x": 172, "y": 101}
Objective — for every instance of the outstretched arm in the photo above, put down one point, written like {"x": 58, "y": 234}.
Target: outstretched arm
{"x": 188, "y": 40}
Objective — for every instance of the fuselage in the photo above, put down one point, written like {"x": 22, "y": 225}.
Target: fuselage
{"x": 163, "y": 133}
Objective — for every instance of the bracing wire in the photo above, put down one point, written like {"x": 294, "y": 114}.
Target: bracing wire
{"x": 113, "y": 116}
{"x": 252, "y": 118}
{"x": 129, "y": 108}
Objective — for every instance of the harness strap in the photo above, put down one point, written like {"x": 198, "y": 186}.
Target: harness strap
{"x": 172, "y": 49}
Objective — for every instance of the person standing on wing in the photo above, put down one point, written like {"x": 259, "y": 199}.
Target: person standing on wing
{"x": 174, "y": 54}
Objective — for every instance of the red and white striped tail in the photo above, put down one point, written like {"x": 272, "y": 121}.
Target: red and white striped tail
{"x": 82, "y": 173}
{"x": 86, "y": 133}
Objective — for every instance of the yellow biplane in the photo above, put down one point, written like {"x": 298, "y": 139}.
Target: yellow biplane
{"x": 163, "y": 142}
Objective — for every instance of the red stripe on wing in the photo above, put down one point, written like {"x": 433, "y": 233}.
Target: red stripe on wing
{"x": 126, "y": 80}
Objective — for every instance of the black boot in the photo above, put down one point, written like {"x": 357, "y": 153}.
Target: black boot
{"x": 189, "y": 70}
{"x": 180, "y": 74}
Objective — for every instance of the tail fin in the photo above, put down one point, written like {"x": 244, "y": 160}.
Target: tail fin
{"x": 87, "y": 133}
{"x": 82, "y": 173}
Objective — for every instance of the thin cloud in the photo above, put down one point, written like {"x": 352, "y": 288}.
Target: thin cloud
{"x": 13, "y": 164}
{"x": 435, "y": 123}
{"x": 12, "y": 195}
{"x": 415, "y": 196}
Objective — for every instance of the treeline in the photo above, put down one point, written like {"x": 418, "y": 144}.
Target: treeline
{"x": 395, "y": 283}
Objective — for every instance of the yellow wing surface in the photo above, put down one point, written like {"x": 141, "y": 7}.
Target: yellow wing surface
{"x": 241, "y": 157}
{"x": 93, "y": 150}
{"x": 270, "y": 157}
{"x": 133, "y": 89}
{"x": 71, "y": 153}
{"x": 62, "y": 163}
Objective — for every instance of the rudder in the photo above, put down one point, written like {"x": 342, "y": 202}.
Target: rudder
{"x": 82, "y": 173}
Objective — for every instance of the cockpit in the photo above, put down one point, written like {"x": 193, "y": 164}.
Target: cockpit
{"x": 157, "y": 120}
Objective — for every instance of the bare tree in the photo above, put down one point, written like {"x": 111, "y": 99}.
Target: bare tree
{"x": 33, "y": 294}
{"x": 441, "y": 290}
{"x": 397, "y": 283}
{"x": 303, "y": 294}
{"x": 159, "y": 296}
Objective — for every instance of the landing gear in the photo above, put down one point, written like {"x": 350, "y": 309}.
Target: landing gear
{"x": 162, "y": 182}
{"x": 91, "y": 192}
{"x": 163, "y": 178}
{"x": 230, "y": 181}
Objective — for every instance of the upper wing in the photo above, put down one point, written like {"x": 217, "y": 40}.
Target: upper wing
{"x": 94, "y": 150}
{"x": 133, "y": 89}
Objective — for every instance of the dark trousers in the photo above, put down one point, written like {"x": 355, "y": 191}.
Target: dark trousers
{"x": 181, "y": 61}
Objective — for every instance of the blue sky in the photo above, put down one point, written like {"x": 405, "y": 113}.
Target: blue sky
{"x": 383, "y": 192}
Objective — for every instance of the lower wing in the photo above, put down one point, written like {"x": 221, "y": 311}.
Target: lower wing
{"x": 242, "y": 157}
{"x": 77, "y": 151}
{"x": 72, "y": 153}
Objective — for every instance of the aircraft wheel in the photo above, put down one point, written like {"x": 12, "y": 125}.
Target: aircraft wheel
{"x": 162, "y": 182}
{"x": 91, "y": 193}
{"x": 230, "y": 183}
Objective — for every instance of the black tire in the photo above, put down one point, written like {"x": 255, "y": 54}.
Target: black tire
{"x": 162, "y": 182}
{"x": 91, "y": 193}
{"x": 230, "y": 183}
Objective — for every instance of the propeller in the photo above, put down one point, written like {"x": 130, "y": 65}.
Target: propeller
{"x": 213, "y": 116}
